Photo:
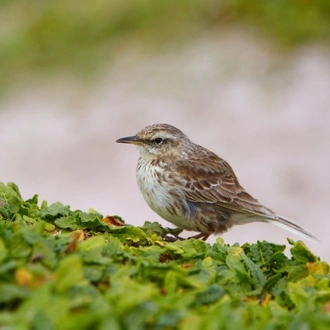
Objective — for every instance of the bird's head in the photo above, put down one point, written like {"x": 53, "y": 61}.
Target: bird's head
{"x": 159, "y": 140}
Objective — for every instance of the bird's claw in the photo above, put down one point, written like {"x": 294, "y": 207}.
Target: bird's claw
{"x": 170, "y": 239}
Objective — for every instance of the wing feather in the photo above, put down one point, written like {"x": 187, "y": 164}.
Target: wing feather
{"x": 207, "y": 178}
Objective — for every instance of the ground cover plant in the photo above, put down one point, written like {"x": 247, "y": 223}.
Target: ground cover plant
{"x": 68, "y": 269}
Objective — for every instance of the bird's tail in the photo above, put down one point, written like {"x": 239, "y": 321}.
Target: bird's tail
{"x": 276, "y": 220}
{"x": 291, "y": 226}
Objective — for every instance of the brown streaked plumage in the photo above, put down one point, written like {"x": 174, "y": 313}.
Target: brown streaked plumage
{"x": 192, "y": 187}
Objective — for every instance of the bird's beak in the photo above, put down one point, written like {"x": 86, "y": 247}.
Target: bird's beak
{"x": 129, "y": 139}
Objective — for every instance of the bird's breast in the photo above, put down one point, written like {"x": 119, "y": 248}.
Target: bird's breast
{"x": 165, "y": 196}
{"x": 152, "y": 183}
{"x": 158, "y": 190}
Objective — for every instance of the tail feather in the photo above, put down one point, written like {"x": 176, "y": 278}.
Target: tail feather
{"x": 292, "y": 227}
{"x": 277, "y": 220}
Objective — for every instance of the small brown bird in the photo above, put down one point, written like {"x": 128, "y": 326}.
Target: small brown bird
{"x": 193, "y": 188}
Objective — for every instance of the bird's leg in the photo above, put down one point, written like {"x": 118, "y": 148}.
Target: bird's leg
{"x": 175, "y": 233}
{"x": 176, "y": 237}
{"x": 203, "y": 236}
{"x": 170, "y": 238}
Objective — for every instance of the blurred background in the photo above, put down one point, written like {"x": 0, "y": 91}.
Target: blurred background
{"x": 249, "y": 80}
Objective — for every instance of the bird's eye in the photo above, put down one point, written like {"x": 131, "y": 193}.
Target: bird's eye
{"x": 158, "y": 140}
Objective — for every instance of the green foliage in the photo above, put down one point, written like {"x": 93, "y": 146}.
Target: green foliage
{"x": 64, "y": 269}
{"x": 82, "y": 35}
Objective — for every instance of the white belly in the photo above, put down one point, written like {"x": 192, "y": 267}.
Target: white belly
{"x": 158, "y": 194}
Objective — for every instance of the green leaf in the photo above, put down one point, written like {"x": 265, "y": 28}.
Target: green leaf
{"x": 54, "y": 211}
{"x": 41, "y": 321}
{"x": 189, "y": 248}
{"x": 94, "y": 273}
{"x": 257, "y": 275}
{"x": 69, "y": 273}
{"x": 15, "y": 188}
{"x": 67, "y": 222}
{"x": 210, "y": 295}
{"x": 126, "y": 277}
{"x": 10, "y": 200}
{"x": 18, "y": 246}
{"x": 10, "y": 292}
{"x": 234, "y": 263}
{"x": 92, "y": 243}
{"x": 93, "y": 250}
{"x": 262, "y": 253}
{"x": 43, "y": 250}
{"x": 297, "y": 294}
{"x": 3, "y": 250}
{"x": 301, "y": 253}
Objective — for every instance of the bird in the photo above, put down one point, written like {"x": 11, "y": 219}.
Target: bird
{"x": 193, "y": 188}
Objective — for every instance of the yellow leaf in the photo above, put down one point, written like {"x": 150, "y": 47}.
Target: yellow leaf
{"x": 23, "y": 277}
{"x": 319, "y": 267}
{"x": 266, "y": 301}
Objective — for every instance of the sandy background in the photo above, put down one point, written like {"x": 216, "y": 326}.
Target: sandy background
{"x": 264, "y": 111}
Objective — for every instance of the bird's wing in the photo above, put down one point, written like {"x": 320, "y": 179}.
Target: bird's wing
{"x": 206, "y": 178}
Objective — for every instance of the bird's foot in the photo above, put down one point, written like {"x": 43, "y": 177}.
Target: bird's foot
{"x": 172, "y": 235}
{"x": 168, "y": 238}
{"x": 203, "y": 236}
